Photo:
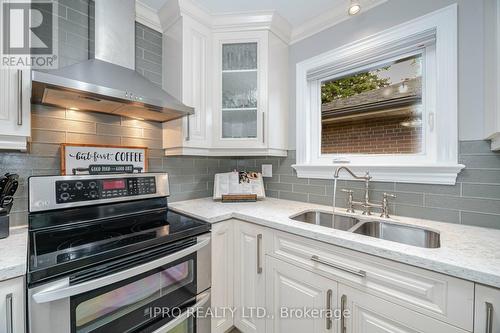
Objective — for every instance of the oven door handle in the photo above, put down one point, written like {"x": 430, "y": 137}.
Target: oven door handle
{"x": 203, "y": 299}
{"x": 58, "y": 292}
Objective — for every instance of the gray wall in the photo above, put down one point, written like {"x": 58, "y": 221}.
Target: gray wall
{"x": 393, "y": 12}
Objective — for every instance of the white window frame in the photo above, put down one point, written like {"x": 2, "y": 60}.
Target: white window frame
{"x": 434, "y": 35}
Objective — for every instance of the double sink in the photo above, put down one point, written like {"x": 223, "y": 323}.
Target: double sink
{"x": 394, "y": 232}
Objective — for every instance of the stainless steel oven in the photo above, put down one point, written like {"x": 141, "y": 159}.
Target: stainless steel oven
{"x": 131, "y": 266}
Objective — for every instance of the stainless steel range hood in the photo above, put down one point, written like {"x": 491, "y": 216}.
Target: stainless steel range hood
{"x": 108, "y": 83}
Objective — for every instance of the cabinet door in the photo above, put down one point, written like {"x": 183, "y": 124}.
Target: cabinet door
{"x": 12, "y": 308}
{"x": 222, "y": 273}
{"x": 15, "y": 94}
{"x": 487, "y": 310}
{"x": 241, "y": 86}
{"x": 290, "y": 288}
{"x": 370, "y": 314}
{"x": 249, "y": 275}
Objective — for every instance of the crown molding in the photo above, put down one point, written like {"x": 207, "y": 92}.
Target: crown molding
{"x": 328, "y": 20}
{"x": 175, "y": 9}
{"x": 256, "y": 20}
{"x": 147, "y": 16}
{"x": 241, "y": 21}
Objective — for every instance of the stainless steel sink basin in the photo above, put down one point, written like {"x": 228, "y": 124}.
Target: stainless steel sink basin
{"x": 324, "y": 219}
{"x": 399, "y": 233}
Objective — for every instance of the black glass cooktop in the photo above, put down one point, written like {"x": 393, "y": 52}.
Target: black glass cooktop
{"x": 67, "y": 240}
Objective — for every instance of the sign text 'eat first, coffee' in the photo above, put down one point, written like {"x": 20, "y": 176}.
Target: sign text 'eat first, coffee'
{"x": 120, "y": 156}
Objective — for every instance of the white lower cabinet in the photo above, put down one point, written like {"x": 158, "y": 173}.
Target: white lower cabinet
{"x": 371, "y": 314}
{"x": 262, "y": 271}
{"x": 222, "y": 275}
{"x": 291, "y": 290}
{"x": 12, "y": 306}
{"x": 487, "y": 310}
{"x": 249, "y": 276}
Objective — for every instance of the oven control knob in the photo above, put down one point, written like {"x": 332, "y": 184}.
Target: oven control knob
{"x": 93, "y": 194}
{"x": 64, "y": 186}
{"x": 92, "y": 185}
{"x": 79, "y": 185}
{"x": 64, "y": 196}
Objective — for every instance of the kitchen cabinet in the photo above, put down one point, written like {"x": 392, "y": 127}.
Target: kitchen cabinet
{"x": 250, "y": 244}
{"x": 222, "y": 274}
{"x": 187, "y": 61}
{"x": 292, "y": 288}
{"x": 487, "y": 310}
{"x": 15, "y": 117}
{"x": 273, "y": 269}
{"x": 432, "y": 294}
{"x": 492, "y": 72}
{"x": 236, "y": 78}
{"x": 250, "y": 93}
{"x": 370, "y": 314}
{"x": 12, "y": 306}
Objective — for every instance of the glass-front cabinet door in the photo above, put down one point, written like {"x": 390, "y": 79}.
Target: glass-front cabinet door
{"x": 239, "y": 90}
{"x": 240, "y": 108}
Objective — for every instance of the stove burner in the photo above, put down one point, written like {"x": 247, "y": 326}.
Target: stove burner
{"x": 88, "y": 238}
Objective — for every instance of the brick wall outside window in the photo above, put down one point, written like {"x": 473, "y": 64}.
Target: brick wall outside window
{"x": 370, "y": 136}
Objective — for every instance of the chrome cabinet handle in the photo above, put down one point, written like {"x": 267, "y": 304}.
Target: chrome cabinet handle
{"x": 489, "y": 317}
{"x": 337, "y": 266}
{"x": 343, "y": 301}
{"x": 329, "y": 294}
{"x": 20, "y": 97}
{"x": 263, "y": 127}
{"x": 9, "y": 320}
{"x": 188, "y": 134}
{"x": 259, "y": 244}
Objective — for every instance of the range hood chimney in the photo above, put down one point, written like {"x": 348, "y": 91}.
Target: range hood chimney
{"x": 108, "y": 83}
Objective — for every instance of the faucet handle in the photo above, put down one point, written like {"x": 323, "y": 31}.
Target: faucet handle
{"x": 385, "y": 205}
{"x": 350, "y": 208}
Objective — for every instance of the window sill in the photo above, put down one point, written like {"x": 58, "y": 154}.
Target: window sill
{"x": 423, "y": 174}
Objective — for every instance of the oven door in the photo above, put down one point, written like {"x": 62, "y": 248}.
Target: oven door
{"x": 125, "y": 300}
{"x": 189, "y": 319}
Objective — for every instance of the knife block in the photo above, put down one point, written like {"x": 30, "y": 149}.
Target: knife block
{"x": 4, "y": 225}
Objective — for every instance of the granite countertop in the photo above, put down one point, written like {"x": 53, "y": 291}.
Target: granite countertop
{"x": 466, "y": 252}
{"x": 13, "y": 254}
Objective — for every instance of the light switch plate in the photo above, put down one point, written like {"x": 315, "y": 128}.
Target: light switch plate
{"x": 267, "y": 170}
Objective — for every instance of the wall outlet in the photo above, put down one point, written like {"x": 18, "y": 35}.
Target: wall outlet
{"x": 267, "y": 170}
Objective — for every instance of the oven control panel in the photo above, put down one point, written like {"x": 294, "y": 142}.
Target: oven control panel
{"x": 94, "y": 189}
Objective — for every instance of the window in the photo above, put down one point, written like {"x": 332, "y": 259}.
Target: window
{"x": 374, "y": 111}
{"x": 385, "y": 104}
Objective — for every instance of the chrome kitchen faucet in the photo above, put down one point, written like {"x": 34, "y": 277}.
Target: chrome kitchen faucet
{"x": 366, "y": 205}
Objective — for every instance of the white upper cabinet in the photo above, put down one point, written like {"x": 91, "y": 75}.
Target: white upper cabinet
{"x": 187, "y": 49}
{"x": 235, "y": 75}
{"x": 15, "y": 93}
{"x": 492, "y": 73}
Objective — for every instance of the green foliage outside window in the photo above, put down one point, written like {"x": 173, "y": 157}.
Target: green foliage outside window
{"x": 352, "y": 85}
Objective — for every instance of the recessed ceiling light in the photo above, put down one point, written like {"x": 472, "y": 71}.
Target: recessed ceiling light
{"x": 354, "y": 8}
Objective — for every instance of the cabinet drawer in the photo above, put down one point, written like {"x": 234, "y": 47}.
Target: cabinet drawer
{"x": 436, "y": 295}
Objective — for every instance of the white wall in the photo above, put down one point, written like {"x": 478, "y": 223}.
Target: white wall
{"x": 394, "y": 12}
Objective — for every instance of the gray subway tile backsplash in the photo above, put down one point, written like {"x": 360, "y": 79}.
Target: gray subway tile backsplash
{"x": 474, "y": 200}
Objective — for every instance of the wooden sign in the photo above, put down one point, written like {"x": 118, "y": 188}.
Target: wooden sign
{"x": 89, "y": 159}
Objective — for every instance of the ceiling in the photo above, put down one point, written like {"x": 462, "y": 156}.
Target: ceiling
{"x": 296, "y": 12}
